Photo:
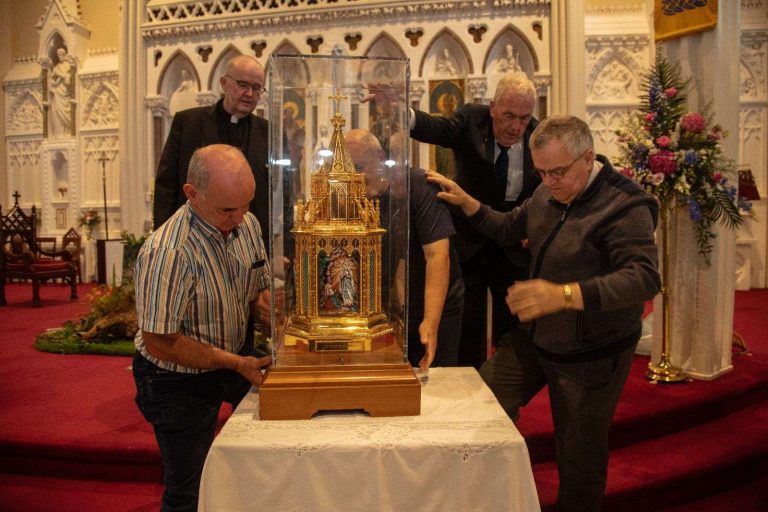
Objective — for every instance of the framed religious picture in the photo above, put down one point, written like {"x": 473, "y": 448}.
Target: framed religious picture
{"x": 382, "y": 122}
{"x": 294, "y": 128}
{"x": 445, "y": 97}
{"x": 61, "y": 218}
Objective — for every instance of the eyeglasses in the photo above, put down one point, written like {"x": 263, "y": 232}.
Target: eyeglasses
{"x": 244, "y": 86}
{"x": 559, "y": 173}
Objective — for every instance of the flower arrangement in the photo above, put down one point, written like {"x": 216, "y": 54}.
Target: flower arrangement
{"x": 89, "y": 220}
{"x": 677, "y": 156}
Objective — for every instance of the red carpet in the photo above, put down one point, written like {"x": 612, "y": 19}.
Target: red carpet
{"x": 72, "y": 438}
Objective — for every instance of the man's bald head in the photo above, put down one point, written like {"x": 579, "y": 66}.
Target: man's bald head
{"x": 362, "y": 145}
{"x": 220, "y": 185}
{"x": 366, "y": 153}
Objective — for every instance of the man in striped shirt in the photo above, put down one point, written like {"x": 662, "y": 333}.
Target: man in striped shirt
{"x": 198, "y": 276}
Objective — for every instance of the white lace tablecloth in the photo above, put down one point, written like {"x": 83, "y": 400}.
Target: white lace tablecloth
{"x": 461, "y": 454}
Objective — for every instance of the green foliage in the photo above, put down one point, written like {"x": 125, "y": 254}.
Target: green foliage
{"x": 67, "y": 340}
{"x": 677, "y": 155}
{"x": 664, "y": 76}
{"x": 132, "y": 246}
{"x": 91, "y": 334}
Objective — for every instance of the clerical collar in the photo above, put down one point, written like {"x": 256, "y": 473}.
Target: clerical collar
{"x": 226, "y": 116}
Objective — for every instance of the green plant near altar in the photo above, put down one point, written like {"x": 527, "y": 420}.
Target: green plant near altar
{"x": 110, "y": 323}
{"x": 677, "y": 155}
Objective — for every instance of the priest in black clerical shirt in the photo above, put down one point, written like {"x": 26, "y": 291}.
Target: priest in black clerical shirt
{"x": 229, "y": 121}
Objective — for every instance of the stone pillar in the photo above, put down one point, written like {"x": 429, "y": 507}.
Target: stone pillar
{"x": 701, "y": 313}
{"x": 568, "y": 58}
{"x": 135, "y": 124}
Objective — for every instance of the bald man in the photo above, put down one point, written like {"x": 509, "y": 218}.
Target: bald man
{"x": 229, "y": 121}
{"x": 198, "y": 276}
{"x": 436, "y": 291}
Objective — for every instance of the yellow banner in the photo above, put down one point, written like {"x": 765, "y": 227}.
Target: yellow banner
{"x": 676, "y": 18}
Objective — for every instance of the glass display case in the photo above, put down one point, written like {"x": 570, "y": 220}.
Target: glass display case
{"x": 339, "y": 237}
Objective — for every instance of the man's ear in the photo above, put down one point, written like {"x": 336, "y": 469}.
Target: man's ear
{"x": 189, "y": 190}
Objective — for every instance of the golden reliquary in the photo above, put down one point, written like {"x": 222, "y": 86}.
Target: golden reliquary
{"x": 338, "y": 240}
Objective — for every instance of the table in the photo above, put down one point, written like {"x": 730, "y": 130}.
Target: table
{"x": 461, "y": 454}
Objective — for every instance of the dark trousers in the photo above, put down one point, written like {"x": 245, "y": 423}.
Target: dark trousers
{"x": 489, "y": 269}
{"x": 583, "y": 398}
{"x": 183, "y": 409}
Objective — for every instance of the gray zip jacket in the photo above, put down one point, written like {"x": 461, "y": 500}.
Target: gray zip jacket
{"x": 604, "y": 240}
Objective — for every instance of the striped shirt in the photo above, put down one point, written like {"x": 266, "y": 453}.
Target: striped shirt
{"x": 190, "y": 280}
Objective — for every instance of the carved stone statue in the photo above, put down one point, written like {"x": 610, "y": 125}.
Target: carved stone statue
{"x": 322, "y": 146}
{"x": 60, "y": 92}
{"x": 509, "y": 61}
{"x": 185, "y": 95}
{"x": 186, "y": 83}
{"x": 445, "y": 63}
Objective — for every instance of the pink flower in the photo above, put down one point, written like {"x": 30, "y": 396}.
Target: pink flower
{"x": 628, "y": 172}
{"x": 670, "y": 92}
{"x": 663, "y": 162}
{"x": 656, "y": 179}
{"x": 663, "y": 141}
{"x": 650, "y": 117}
{"x": 716, "y": 176}
{"x": 694, "y": 123}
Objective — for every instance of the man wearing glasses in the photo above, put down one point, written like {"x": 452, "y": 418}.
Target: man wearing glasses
{"x": 594, "y": 264}
{"x": 230, "y": 121}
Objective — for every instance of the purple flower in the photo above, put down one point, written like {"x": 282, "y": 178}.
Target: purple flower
{"x": 639, "y": 152}
{"x": 691, "y": 157}
{"x": 694, "y": 210}
{"x": 663, "y": 161}
{"x": 653, "y": 94}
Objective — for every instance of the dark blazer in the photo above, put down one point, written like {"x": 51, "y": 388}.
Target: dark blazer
{"x": 193, "y": 129}
{"x": 469, "y": 133}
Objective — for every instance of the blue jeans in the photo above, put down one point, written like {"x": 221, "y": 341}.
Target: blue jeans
{"x": 183, "y": 409}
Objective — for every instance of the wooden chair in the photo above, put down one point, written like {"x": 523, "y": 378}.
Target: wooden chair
{"x": 47, "y": 243}
{"x": 72, "y": 242}
{"x": 22, "y": 258}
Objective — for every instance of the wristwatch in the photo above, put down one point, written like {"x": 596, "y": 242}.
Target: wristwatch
{"x": 567, "y": 295}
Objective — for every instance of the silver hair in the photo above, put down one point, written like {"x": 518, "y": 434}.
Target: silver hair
{"x": 572, "y": 132}
{"x": 516, "y": 83}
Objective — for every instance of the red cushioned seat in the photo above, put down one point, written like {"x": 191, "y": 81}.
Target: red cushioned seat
{"x": 22, "y": 258}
